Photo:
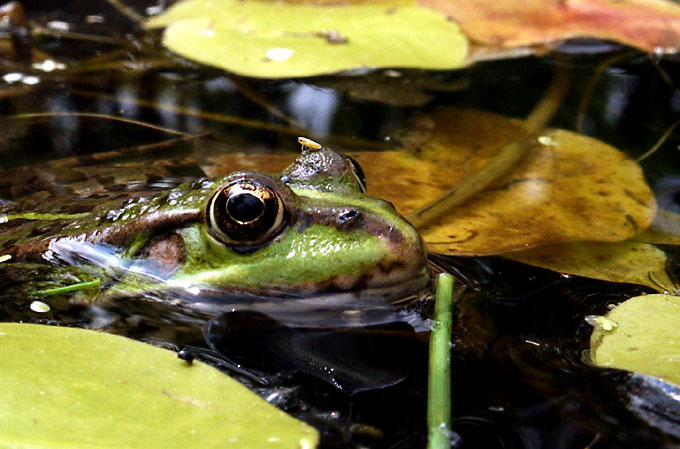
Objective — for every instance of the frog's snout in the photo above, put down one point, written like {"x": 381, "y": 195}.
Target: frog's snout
{"x": 405, "y": 265}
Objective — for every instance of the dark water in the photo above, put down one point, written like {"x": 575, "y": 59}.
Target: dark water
{"x": 519, "y": 380}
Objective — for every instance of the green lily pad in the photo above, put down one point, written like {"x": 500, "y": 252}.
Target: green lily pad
{"x": 280, "y": 39}
{"x": 641, "y": 336}
{"x": 65, "y": 387}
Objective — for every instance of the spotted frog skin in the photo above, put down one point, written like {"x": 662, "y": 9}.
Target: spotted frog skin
{"x": 309, "y": 232}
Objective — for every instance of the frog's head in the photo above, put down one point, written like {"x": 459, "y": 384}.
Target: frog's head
{"x": 310, "y": 232}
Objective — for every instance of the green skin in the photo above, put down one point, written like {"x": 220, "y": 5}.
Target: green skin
{"x": 163, "y": 244}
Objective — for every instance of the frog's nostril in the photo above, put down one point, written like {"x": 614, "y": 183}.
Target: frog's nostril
{"x": 349, "y": 214}
{"x": 348, "y": 217}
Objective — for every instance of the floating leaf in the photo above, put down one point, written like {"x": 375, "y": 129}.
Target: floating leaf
{"x": 279, "y": 39}
{"x": 65, "y": 387}
{"x": 645, "y": 339}
{"x": 630, "y": 262}
{"x": 569, "y": 188}
{"x": 650, "y": 25}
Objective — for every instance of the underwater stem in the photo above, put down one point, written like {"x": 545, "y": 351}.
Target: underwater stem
{"x": 439, "y": 381}
{"x": 127, "y": 11}
{"x": 70, "y": 288}
{"x": 508, "y": 156}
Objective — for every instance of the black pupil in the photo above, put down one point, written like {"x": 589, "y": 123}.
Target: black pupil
{"x": 245, "y": 207}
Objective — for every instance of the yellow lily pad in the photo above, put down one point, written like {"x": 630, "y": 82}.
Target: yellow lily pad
{"x": 281, "y": 39}
{"x": 644, "y": 338}
{"x": 630, "y": 262}
{"x": 65, "y": 387}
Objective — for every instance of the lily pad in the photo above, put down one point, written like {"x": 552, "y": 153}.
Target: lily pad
{"x": 644, "y": 339}
{"x": 629, "y": 262}
{"x": 569, "y": 187}
{"x": 650, "y": 25}
{"x": 65, "y": 387}
{"x": 281, "y": 39}
{"x": 635, "y": 261}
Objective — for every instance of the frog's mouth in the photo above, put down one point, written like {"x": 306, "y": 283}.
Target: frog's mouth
{"x": 339, "y": 293}
{"x": 368, "y": 306}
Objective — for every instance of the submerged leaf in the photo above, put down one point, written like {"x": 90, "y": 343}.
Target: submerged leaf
{"x": 391, "y": 87}
{"x": 645, "y": 339}
{"x": 630, "y": 262}
{"x": 278, "y": 39}
{"x": 650, "y": 25}
{"x": 65, "y": 387}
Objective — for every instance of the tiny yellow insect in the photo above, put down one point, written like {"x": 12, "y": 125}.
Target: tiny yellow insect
{"x": 308, "y": 143}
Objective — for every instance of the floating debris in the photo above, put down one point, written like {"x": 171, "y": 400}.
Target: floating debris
{"x": 30, "y": 80}
{"x": 12, "y": 77}
{"x": 58, "y": 25}
{"x": 547, "y": 141}
{"x": 279, "y": 54}
{"x": 39, "y": 307}
{"x": 49, "y": 65}
{"x": 604, "y": 323}
{"x": 96, "y": 18}
{"x": 333, "y": 36}
{"x": 15, "y": 77}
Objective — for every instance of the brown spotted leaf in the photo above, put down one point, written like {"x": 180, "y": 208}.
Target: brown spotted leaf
{"x": 628, "y": 262}
{"x": 649, "y": 25}
{"x": 568, "y": 188}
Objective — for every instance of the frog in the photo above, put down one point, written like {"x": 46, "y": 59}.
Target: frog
{"x": 309, "y": 233}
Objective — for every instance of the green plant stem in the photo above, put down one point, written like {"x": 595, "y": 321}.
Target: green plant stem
{"x": 40, "y": 216}
{"x": 439, "y": 382}
{"x": 70, "y": 288}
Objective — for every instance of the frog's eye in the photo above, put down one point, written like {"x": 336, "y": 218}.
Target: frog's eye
{"x": 358, "y": 173}
{"x": 246, "y": 213}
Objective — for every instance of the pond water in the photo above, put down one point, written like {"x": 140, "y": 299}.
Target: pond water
{"x": 519, "y": 334}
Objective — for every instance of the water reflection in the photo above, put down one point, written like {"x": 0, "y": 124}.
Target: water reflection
{"x": 64, "y": 129}
{"x": 654, "y": 401}
{"x": 667, "y": 191}
{"x": 350, "y": 359}
{"x": 618, "y": 95}
{"x": 313, "y": 107}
